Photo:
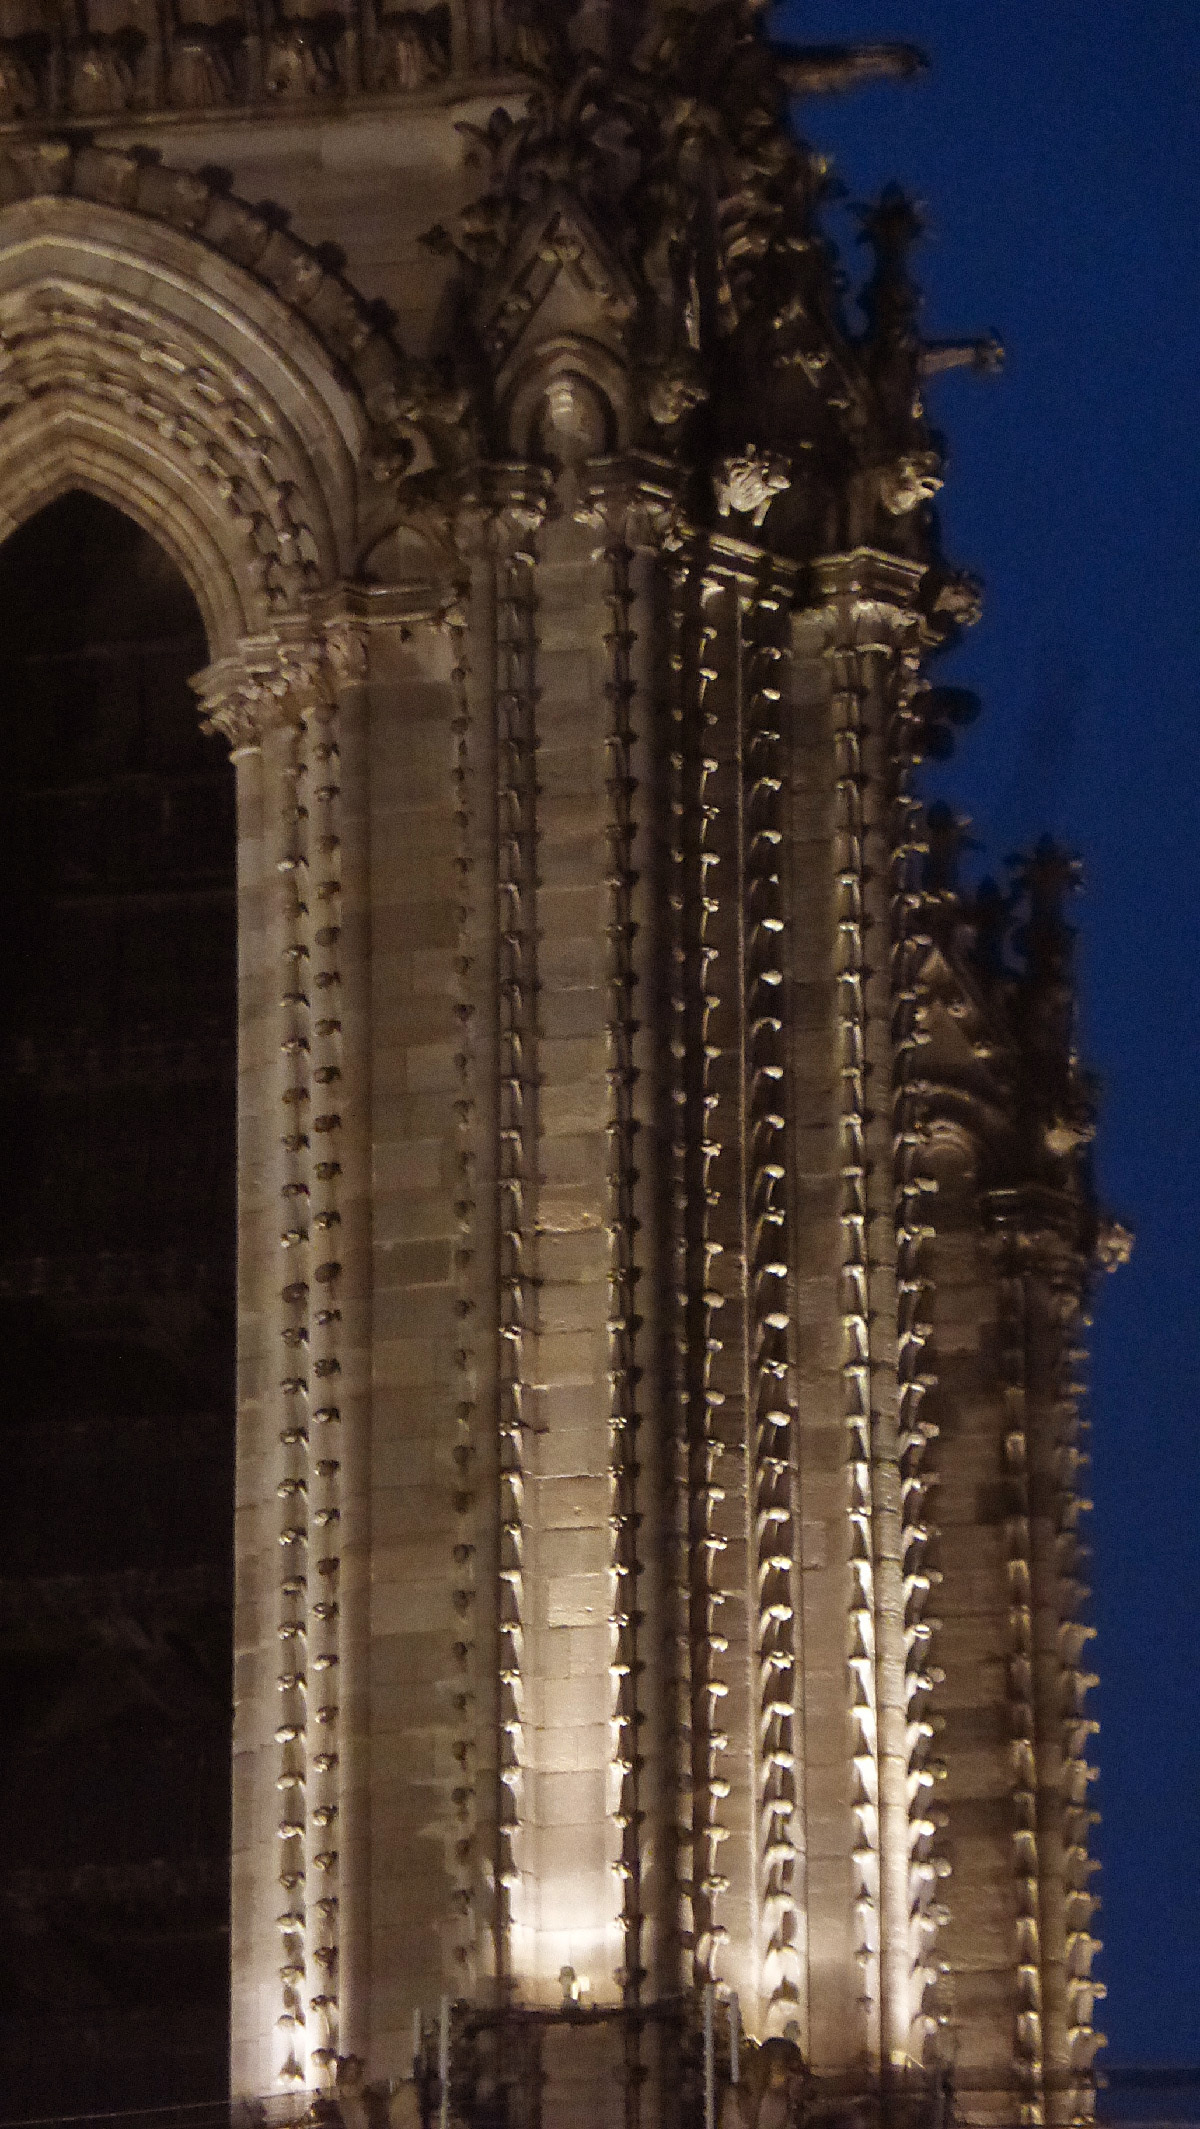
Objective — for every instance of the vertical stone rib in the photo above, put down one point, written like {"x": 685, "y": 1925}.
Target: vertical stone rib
{"x": 516, "y": 1167}
{"x": 914, "y": 1231}
{"x": 1028, "y": 2055}
{"x": 712, "y": 1449}
{"x": 771, "y": 1416}
{"x": 873, "y": 623}
{"x": 322, "y": 802}
{"x": 855, "y": 1307}
{"x": 926, "y": 1867}
{"x": 651, "y": 531}
{"x": 689, "y": 1561}
{"x": 625, "y": 1374}
{"x": 342, "y": 1159}
{"x": 254, "y": 1938}
{"x": 623, "y": 1269}
{"x": 1077, "y": 2103}
{"x": 880, "y": 770}
{"x": 273, "y": 697}
{"x": 1053, "y": 2038}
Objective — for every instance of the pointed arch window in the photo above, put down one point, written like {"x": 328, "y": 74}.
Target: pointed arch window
{"x": 117, "y": 1307}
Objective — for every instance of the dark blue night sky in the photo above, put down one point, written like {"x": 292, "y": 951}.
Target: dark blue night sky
{"x": 1057, "y": 146}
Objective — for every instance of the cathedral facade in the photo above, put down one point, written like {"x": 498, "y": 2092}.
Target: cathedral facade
{"x": 664, "y": 1216}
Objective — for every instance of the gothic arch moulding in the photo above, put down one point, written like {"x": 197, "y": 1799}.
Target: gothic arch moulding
{"x": 176, "y": 352}
{"x": 180, "y": 355}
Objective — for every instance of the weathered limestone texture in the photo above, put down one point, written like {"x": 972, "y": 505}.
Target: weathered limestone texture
{"x": 665, "y": 1213}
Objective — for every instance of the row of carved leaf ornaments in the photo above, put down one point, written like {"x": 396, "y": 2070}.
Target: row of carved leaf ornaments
{"x": 623, "y": 1317}
{"x": 771, "y": 1419}
{"x": 308, "y": 869}
{"x": 915, "y": 1207}
{"x": 517, "y": 1157}
{"x": 465, "y": 1653}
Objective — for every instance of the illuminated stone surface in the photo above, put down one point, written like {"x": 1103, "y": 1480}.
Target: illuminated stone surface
{"x": 664, "y": 1213}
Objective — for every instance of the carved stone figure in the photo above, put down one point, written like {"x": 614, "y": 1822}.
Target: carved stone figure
{"x": 18, "y": 85}
{"x": 773, "y": 2088}
{"x": 412, "y": 54}
{"x": 298, "y": 64}
{"x": 200, "y": 74}
{"x": 674, "y": 392}
{"x": 749, "y": 482}
{"x": 910, "y": 480}
{"x": 101, "y": 79}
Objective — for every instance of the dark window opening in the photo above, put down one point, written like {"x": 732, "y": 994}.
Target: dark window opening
{"x": 117, "y": 1099}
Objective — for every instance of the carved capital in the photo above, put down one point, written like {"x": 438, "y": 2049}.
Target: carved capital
{"x": 269, "y": 683}
{"x": 346, "y": 651}
{"x": 865, "y": 600}
{"x": 228, "y": 712}
{"x": 516, "y": 497}
{"x": 632, "y": 500}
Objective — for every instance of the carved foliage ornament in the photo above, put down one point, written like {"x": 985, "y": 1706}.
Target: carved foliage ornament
{"x": 277, "y": 680}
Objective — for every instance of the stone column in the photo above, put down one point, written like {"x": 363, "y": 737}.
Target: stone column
{"x": 864, "y": 632}
{"x": 1044, "y": 1278}
{"x": 340, "y": 1326}
{"x": 256, "y": 702}
{"x": 562, "y": 1083}
{"x": 298, "y": 1397}
{"x": 430, "y": 1623}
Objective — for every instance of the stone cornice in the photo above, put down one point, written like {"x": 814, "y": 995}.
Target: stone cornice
{"x": 870, "y": 581}
{"x": 1046, "y": 1229}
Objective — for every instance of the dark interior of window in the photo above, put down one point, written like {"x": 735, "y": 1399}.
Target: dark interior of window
{"x": 117, "y": 1057}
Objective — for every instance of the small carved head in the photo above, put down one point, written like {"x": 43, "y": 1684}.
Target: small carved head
{"x": 749, "y": 483}
{"x": 351, "y": 2073}
{"x": 410, "y": 53}
{"x": 1065, "y": 1135}
{"x": 672, "y": 395}
{"x": 913, "y": 478}
{"x": 960, "y": 600}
